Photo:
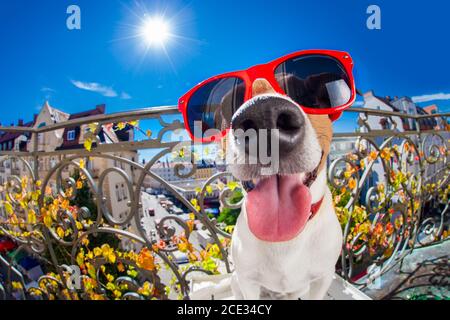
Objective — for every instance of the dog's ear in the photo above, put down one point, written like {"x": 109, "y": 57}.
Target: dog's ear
{"x": 324, "y": 131}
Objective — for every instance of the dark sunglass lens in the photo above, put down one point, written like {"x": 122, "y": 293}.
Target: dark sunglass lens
{"x": 211, "y": 107}
{"x": 314, "y": 81}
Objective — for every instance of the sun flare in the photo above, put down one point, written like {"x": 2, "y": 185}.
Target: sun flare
{"x": 155, "y": 31}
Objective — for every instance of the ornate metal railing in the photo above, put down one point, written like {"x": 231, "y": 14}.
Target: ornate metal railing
{"x": 390, "y": 191}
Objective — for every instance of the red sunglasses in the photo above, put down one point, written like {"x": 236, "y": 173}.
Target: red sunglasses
{"x": 319, "y": 81}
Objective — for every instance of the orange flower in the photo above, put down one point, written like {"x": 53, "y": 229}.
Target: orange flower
{"x": 352, "y": 183}
{"x": 145, "y": 260}
{"x": 386, "y": 154}
{"x": 373, "y": 155}
{"x": 406, "y": 147}
{"x": 190, "y": 224}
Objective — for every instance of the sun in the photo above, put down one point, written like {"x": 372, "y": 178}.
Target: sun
{"x": 155, "y": 31}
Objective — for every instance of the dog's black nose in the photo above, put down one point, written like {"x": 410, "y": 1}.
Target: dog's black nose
{"x": 272, "y": 112}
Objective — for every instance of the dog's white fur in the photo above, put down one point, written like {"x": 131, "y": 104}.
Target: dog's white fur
{"x": 301, "y": 268}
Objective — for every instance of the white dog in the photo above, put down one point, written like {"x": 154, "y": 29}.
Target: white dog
{"x": 287, "y": 238}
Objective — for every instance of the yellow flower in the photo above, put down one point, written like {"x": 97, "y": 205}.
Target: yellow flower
{"x": 91, "y": 270}
{"x": 110, "y": 277}
{"x": 183, "y": 246}
{"x": 82, "y": 164}
{"x": 80, "y": 258}
{"x": 85, "y": 241}
{"x": 232, "y": 185}
{"x": 16, "y": 285}
{"x": 146, "y": 289}
{"x": 108, "y": 253}
{"x": 134, "y": 123}
{"x": 88, "y": 144}
{"x": 60, "y": 232}
{"x": 32, "y": 217}
{"x": 362, "y": 164}
{"x": 117, "y": 294}
{"x": 8, "y": 208}
{"x": 79, "y": 184}
{"x": 65, "y": 204}
{"x": 90, "y": 255}
{"x": 97, "y": 251}
{"x": 214, "y": 251}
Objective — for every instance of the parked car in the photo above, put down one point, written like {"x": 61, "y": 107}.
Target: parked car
{"x": 151, "y": 212}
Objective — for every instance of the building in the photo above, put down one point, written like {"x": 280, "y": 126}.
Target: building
{"x": 396, "y": 124}
{"x": 114, "y": 186}
{"x": 340, "y": 147}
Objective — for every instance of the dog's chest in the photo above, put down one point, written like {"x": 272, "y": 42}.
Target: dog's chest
{"x": 286, "y": 266}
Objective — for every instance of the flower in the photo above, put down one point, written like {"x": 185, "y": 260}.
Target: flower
{"x": 108, "y": 253}
{"x": 88, "y": 144}
{"x": 352, "y": 183}
{"x": 386, "y": 154}
{"x": 145, "y": 260}
{"x": 373, "y": 155}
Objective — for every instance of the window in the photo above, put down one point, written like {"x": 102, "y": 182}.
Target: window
{"x": 41, "y": 135}
{"x": 71, "y": 135}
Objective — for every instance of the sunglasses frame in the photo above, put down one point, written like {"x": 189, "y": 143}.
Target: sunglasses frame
{"x": 267, "y": 71}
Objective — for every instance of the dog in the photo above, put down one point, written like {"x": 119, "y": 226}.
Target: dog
{"x": 287, "y": 238}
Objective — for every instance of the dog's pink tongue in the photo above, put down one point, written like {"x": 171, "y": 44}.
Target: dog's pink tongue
{"x": 278, "y": 208}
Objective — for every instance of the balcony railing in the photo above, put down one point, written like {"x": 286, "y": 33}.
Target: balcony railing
{"x": 390, "y": 192}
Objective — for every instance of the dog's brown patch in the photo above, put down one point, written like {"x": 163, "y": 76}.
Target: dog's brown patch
{"x": 261, "y": 86}
{"x": 324, "y": 131}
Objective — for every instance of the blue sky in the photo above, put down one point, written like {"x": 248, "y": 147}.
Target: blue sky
{"x": 41, "y": 59}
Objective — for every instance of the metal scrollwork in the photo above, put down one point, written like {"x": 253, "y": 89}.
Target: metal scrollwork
{"x": 391, "y": 196}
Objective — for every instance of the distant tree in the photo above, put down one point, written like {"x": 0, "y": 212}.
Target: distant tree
{"x": 227, "y": 215}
